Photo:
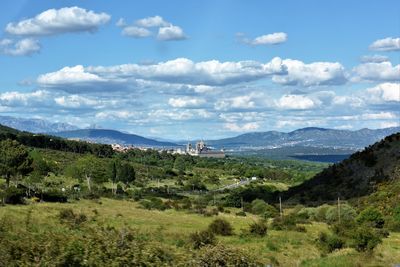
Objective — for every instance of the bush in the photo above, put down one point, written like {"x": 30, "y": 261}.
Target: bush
{"x": 153, "y": 204}
{"x": 365, "y": 239}
{"x": 54, "y": 196}
{"x": 258, "y": 228}
{"x": 221, "y": 227}
{"x": 14, "y": 195}
{"x": 396, "y": 213}
{"x": 329, "y": 243}
{"x": 241, "y": 213}
{"x": 224, "y": 256}
{"x": 69, "y": 217}
{"x": 347, "y": 214}
{"x": 259, "y": 207}
{"x": 372, "y": 217}
{"x": 284, "y": 223}
{"x": 202, "y": 238}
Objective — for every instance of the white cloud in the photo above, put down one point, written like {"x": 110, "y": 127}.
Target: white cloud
{"x": 58, "y": 21}
{"x": 68, "y": 75}
{"x": 270, "y": 39}
{"x": 14, "y": 99}
{"x": 177, "y": 71}
{"x": 137, "y": 32}
{"x": 313, "y": 74}
{"x": 389, "y": 124}
{"x": 295, "y": 102}
{"x": 150, "y": 22}
{"x": 186, "y": 102}
{"x": 374, "y": 58}
{"x": 121, "y": 22}
{"x": 378, "y": 116}
{"x": 23, "y": 47}
{"x": 75, "y": 101}
{"x": 384, "y": 92}
{"x": 170, "y": 33}
{"x": 236, "y": 103}
{"x": 386, "y": 44}
{"x": 234, "y": 127}
{"x": 383, "y": 71}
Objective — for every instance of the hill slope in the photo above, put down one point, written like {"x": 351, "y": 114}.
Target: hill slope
{"x": 111, "y": 137}
{"x": 357, "y": 176}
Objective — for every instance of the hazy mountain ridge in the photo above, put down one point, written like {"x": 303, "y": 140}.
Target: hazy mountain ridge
{"x": 35, "y": 125}
{"x": 112, "y": 137}
{"x": 308, "y": 137}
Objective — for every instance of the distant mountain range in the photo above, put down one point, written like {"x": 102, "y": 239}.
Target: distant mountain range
{"x": 306, "y": 137}
{"x": 300, "y": 143}
{"x": 112, "y": 137}
{"x": 35, "y": 125}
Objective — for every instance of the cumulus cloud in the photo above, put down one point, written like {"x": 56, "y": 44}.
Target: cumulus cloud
{"x": 149, "y": 22}
{"x": 23, "y": 47}
{"x": 295, "y": 102}
{"x": 170, "y": 33}
{"x": 270, "y": 39}
{"x": 58, "y": 21}
{"x": 385, "y": 92}
{"x": 374, "y": 58}
{"x": 177, "y": 71}
{"x": 386, "y": 44}
{"x": 16, "y": 99}
{"x": 383, "y": 71}
{"x": 246, "y": 127}
{"x": 313, "y": 74}
{"x": 236, "y": 103}
{"x": 136, "y": 32}
{"x": 75, "y": 101}
{"x": 186, "y": 102}
{"x": 143, "y": 28}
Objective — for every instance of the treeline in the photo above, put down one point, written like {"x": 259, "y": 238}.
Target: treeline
{"x": 56, "y": 143}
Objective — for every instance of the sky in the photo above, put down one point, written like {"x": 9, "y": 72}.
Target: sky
{"x": 202, "y": 69}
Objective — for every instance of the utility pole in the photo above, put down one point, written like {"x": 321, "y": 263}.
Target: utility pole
{"x": 280, "y": 207}
{"x": 338, "y": 203}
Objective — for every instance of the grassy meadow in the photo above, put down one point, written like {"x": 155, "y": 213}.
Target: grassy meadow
{"x": 171, "y": 229}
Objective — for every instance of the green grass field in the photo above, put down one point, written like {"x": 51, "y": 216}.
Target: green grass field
{"x": 172, "y": 228}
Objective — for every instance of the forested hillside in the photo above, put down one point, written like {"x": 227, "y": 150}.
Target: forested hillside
{"x": 358, "y": 176}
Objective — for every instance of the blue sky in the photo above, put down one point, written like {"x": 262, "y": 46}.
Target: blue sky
{"x": 202, "y": 69}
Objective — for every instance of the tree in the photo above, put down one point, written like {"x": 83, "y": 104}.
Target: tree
{"x": 126, "y": 173}
{"x": 87, "y": 167}
{"x": 14, "y": 160}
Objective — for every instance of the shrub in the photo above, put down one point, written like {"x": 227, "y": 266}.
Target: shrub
{"x": 372, "y": 217}
{"x": 221, "y": 227}
{"x": 54, "y": 196}
{"x": 202, "y": 238}
{"x": 153, "y": 204}
{"x": 347, "y": 214}
{"x": 365, "y": 239}
{"x": 14, "y": 195}
{"x": 224, "y": 256}
{"x": 284, "y": 223}
{"x": 259, "y": 207}
{"x": 241, "y": 213}
{"x": 329, "y": 243}
{"x": 396, "y": 213}
{"x": 69, "y": 217}
{"x": 258, "y": 228}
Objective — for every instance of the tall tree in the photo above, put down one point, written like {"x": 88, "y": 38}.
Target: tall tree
{"x": 14, "y": 160}
{"x": 87, "y": 166}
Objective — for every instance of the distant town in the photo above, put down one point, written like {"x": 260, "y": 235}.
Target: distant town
{"x": 199, "y": 150}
